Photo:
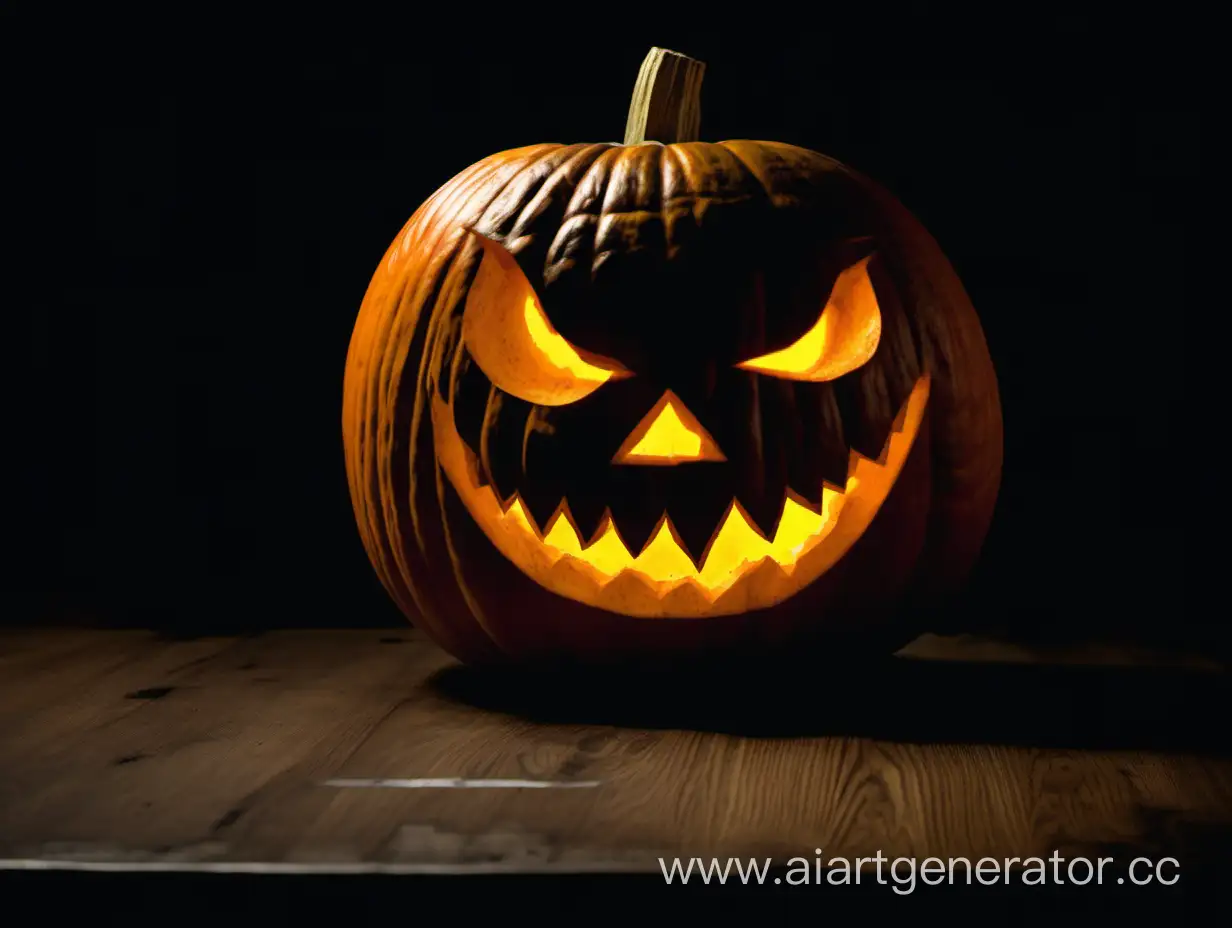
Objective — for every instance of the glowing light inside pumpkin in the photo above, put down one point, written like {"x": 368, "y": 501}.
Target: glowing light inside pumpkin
{"x": 801, "y": 356}
{"x": 741, "y": 569}
{"x": 668, "y": 434}
{"x": 844, "y": 337}
{"x": 735, "y": 545}
{"x": 515, "y": 345}
{"x": 558, "y": 352}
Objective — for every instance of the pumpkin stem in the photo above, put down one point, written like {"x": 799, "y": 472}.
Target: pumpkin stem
{"x": 667, "y": 99}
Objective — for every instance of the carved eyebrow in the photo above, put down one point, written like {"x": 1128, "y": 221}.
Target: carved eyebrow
{"x": 515, "y": 345}
{"x": 844, "y": 336}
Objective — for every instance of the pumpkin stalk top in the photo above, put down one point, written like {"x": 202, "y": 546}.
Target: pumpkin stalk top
{"x": 666, "y": 105}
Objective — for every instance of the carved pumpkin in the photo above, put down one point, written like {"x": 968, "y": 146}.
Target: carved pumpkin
{"x": 656, "y": 399}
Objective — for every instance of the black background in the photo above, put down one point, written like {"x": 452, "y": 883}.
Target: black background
{"x": 200, "y": 206}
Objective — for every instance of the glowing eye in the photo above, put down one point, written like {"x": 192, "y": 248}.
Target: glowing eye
{"x": 558, "y": 352}
{"x": 845, "y": 336}
{"x": 514, "y": 344}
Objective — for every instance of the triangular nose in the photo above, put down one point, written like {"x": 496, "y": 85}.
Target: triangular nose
{"x": 668, "y": 434}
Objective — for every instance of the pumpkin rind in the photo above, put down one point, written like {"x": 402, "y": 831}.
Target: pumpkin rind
{"x": 593, "y": 227}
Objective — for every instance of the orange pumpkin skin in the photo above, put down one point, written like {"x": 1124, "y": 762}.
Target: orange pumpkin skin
{"x": 544, "y": 203}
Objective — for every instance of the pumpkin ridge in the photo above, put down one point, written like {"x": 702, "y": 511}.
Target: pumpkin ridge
{"x": 364, "y": 380}
{"x": 412, "y": 301}
{"x": 444, "y": 319}
{"x": 753, "y": 175}
{"x": 669, "y": 162}
{"x": 547, "y": 208}
{"x": 502, "y": 212}
{"x": 445, "y": 240}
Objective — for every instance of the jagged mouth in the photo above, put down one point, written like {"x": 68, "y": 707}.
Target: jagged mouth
{"x": 740, "y": 570}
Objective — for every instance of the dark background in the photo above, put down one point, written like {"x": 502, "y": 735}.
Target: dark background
{"x": 200, "y": 207}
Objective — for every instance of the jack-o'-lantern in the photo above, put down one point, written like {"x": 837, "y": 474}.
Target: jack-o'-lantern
{"x": 664, "y": 398}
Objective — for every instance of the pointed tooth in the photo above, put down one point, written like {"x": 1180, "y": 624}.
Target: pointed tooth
{"x": 809, "y": 498}
{"x": 767, "y": 581}
{"x": 802, "y": 463}
{"x": 763, "y": 510}
{"x": 563, "y": 450}
{"x": 697, "y": 512}
{"x": 631, "y": 592}
{"x": 562, "y": 511}
{"x": 755, "y": 460}
{"x": 587, "y": 510}
{"x": 782, "y": 443}
{"x": 867, "y": 417}
{"x": 635, "y": 527}
{"x": 826, "y": 451}
{"x": 542, "y": 488}
{"x": 687, "y": 598}
{"x": 500, "y": 449}
{"x": 576, "y": 578}
{"x": 540, "y": 504}
{"x": 735, "y": 598}
{"x": 637, "y": 506}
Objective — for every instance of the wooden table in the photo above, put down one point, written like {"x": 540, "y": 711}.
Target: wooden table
{"x": 372, "y": 751}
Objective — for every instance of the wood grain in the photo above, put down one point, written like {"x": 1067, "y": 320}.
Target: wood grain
{"x": 123, "y": 747}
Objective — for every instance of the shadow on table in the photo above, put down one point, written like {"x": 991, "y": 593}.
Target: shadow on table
{"x": 898, "y": 699}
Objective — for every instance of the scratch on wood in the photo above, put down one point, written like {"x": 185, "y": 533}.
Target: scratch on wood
{"x": 459, "y": 783}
